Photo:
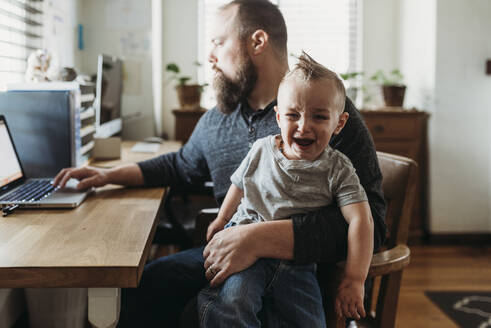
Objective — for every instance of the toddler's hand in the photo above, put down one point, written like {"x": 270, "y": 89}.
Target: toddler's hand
{"x": 349, "y": 300}
{"x": 214, "y": 227}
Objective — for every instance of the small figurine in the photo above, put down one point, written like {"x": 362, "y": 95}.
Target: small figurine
{"x": 42, "y": 66}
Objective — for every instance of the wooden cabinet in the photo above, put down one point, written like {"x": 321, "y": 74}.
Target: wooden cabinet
{"x": 186, "y": 120}
{"x": 405, "y": 132}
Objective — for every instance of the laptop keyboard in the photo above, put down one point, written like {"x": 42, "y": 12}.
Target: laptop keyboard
{"x": 30, "y": 192}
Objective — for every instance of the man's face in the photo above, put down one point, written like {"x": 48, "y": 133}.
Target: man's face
{"x": 235, "y": 74}
{"x": 308, "y": 116}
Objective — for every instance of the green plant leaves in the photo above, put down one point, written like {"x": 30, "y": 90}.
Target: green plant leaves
{"x": 172, "y": 67}
{"x": 351, "y": 75}
{"x": 394, "y": 77}
{"x": 183, "y": 79}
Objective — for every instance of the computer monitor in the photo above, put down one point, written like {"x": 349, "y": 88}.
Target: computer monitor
{"x": 109, "y": 87}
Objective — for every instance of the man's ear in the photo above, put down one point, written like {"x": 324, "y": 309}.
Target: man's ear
{"x": 259, "y": 41}
{"x": 343, "y": 118}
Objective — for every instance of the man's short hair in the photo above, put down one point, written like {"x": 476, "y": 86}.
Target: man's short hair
{"x": 308, "y": 70}
{"x": 253, "y": 15}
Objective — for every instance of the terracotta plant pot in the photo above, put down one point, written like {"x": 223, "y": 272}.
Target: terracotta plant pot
{"x": 189, "y": 96}
{"x": 394, "y": 94}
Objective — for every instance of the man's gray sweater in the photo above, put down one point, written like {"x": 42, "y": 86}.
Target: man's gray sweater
{"x": 220, "y": 142}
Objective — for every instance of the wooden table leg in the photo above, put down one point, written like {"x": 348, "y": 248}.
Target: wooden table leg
{"x": 104, "y": 305}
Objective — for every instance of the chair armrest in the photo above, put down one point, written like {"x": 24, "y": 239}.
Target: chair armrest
{"x": 204, "y": 218}
{"x": 385, "y": 262}
{"x": 391, "y": 260}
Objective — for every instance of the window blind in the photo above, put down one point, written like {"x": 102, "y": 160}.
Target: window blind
{"x": 20, "y": 34}
{"x": 328, "y": 30}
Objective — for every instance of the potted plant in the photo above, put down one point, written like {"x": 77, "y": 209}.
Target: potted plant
{"x": 353, "y": 81}
{"x": 392, "y": 87}
{"x": 189, "y": 95}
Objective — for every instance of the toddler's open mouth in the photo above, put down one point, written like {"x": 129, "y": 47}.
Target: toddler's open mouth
{"x": 303, "y": 142}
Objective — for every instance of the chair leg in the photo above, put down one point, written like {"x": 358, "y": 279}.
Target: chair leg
{"x": 386, "y": 310}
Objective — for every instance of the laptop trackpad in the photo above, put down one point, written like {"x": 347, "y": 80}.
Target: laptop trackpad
{"x": 68, "y": 195}
{"x": 70, "y": 187}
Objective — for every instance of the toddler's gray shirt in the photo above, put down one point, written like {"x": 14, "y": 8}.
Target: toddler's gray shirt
{"x": 277, "y": 188}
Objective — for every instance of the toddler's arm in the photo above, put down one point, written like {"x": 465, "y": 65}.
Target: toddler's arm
{"x": 349, "y": 301}
{"x": 228, "y": 208}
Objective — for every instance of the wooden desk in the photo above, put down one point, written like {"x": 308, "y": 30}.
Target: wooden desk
{"x": 102, "y": 243}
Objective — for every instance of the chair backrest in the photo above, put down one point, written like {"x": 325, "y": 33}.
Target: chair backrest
{"x": 399, "y": 187}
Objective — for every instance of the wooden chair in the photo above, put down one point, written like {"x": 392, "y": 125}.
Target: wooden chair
{"x": 399, "y": 186}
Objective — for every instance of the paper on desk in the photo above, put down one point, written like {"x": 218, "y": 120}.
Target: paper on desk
{"x": 145, "y": 147}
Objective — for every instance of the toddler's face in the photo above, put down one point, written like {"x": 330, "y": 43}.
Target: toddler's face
{"x": 308, "y": 117}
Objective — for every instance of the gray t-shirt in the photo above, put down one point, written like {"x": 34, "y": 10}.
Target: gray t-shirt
{"x": 277, "y": 188}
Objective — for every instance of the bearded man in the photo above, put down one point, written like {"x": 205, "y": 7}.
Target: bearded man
{"x": 249, "y": 56}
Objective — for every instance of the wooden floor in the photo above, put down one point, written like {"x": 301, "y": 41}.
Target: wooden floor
{"x": 440, "y": 268}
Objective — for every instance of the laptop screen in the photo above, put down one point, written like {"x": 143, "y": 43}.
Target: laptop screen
{"x": 10, "y": 169}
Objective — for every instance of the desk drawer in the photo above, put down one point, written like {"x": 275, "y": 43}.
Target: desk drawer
{"x": 392, "y": 128}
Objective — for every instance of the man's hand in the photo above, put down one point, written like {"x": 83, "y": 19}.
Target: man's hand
{"x": 214, "y": 227}
{"x": 229, "y": 251}
{"x": 349, "y": 300}
{"x": 88, "y": 177}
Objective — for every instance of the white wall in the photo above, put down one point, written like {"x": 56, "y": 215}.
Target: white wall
{"x": 179, "y": 45}
{"x": 460, "y": 144}
{"x": 380, "y": 35}
{"x": 442, "y": 47}
{"x": 123, "y": 29}
{"x": 417, "y": 54}
{"x": 59, "y": 23}
{"x": 380, "y": 41}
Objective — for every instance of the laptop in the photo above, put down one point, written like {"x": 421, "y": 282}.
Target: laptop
{"x": 16, "y": 189}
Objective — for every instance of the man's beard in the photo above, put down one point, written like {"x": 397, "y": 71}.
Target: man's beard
{"x": 229, "y": 93}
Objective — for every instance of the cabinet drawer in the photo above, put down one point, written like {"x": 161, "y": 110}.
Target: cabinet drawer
{"x": 392, "y": 128}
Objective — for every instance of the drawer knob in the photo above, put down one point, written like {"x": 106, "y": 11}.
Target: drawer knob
{"x": 378, "y": 128}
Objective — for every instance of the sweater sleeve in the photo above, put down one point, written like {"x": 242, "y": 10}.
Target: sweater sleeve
{"x": 321, "y": 236}
{"x": 188, "y": 165}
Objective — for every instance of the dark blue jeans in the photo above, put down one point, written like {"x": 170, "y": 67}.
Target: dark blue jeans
{"x": 167, "y": 284}
{"x": 286, "y": 294}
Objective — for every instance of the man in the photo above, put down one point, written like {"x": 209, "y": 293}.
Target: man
{"x": 249, "y": 56}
